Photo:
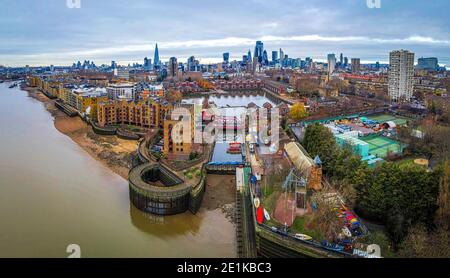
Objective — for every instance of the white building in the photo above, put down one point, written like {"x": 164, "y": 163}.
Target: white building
{"x": 401, "y": 75}
{"x": 122, "y": 73}
{"x": 121, "y": 91}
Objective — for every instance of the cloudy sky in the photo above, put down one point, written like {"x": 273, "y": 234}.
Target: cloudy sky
{"x": 42, "y": 32}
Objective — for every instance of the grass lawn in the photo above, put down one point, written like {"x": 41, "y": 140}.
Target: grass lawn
{"x": 299, "y": 228}
{"x": 408, "y": 161}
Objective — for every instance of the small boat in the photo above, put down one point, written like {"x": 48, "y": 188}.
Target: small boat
{"x": 303, "y": 237}
{"x": 332, "y": 246}
{"x": 259, "y": 215}
{"x": 234, "y": 151}
{"x": 257, "y": 202}
{"x": 346, "y": 231}
{"x": 234, "y": 148}
{"x": 266, "y": 215}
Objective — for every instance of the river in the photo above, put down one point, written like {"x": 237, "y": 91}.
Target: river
{"x": 52, "y": 194}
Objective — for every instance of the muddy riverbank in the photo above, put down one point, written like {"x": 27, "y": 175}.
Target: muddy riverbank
{"x": 113, "y": 152}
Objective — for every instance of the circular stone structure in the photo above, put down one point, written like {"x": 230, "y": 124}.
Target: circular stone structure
{"x": 157, "y": 190}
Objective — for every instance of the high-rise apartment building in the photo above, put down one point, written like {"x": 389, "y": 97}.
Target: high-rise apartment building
{"x": 356, "y": 65}
{"x": 192, "y": 64}
{"x": 401, "y": 75}
{"x": 172, "y": 70}
{"x": 331, "y": 63}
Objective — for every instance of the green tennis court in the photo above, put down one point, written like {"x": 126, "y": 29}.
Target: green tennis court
{"x": 383, "y": 118}
{"x": 380, "y": 146}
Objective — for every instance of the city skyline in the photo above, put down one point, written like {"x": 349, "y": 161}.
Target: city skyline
{"x": 109, "y": 30}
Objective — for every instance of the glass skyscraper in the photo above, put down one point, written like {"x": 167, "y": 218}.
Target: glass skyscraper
{"x": 274, "y": 56}
{"x": 157, "y": 62}
{"x": 226, "y": 57}
{"x": 259, "y": 49}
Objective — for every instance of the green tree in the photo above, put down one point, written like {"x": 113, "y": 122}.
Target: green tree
{"x": 93, "y": 113}
{"x": 318, "y": 140}
{"x": 398, "y": 196}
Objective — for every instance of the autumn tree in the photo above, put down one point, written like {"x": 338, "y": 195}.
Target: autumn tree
{"x": 298, "y": 112}
{"x": 174, "y": 95}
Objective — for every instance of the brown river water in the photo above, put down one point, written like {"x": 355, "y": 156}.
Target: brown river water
{"x": 52, "y": 194}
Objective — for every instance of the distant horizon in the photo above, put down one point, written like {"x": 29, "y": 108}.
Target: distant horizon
{"x": 204, "y": 61}
{"x": 45, "y": 32}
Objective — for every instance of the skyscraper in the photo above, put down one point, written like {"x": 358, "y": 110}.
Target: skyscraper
{"x": 249, "y": 57}
{"x": 274, "y": 56}
{"x": 156, "y": 60}
{"x": 147, "y": 63}
{"x": 265, "y": 58}
{"x": 281, "y": 56}
{"x": 244, "y": 59}
{"x": 356, "y": 65}
{"x": 341, "y": 59}
{"x": 259, "y": 48}
{"x": 401, "y": 75}
{"x": 428, "y": 63}
{"x": 226, "y": 57}
{"x": 173, "y": 67}
{"x": 331, "y": 63}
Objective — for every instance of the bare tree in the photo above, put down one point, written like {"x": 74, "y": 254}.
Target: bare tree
{"x": 325, "y": 218}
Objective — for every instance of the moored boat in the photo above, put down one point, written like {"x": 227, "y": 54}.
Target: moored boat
{"x": 303, "y": 237}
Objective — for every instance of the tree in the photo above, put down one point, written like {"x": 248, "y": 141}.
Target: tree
{"x": 298, "y": 112}
{"x": 325, "y": 218}
{"x": 174, "y": 96}
{"x": 318, "y": 140}
{"x": 308, "y": 87}
{"x": 420, "y": 243}
{"x": 443, "y": 212}
{"x": 93, "y": 113}
{"x": 398, "y": 196}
